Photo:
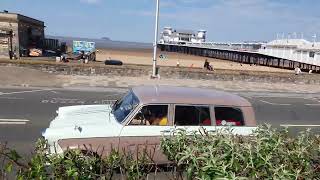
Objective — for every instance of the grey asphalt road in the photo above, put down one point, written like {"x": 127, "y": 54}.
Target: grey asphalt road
{"x": 25, "y": 113}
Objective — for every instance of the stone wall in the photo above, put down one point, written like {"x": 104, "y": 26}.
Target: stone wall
{"x": 5, "y": 41}
{"x": 165, "y": 72}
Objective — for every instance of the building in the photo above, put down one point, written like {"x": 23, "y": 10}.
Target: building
{"x": 299, "y": 50}
{"x": 172, "y": 36}
{"x": 19, "y": 33}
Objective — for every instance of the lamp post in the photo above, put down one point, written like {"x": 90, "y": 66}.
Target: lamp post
{"x": 154, "y": 64}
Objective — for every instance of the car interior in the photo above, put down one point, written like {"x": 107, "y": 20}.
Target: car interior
{"x": 192, "y": 116}
{"x": 151, "y": 115}
{"x": 228, "y": 116}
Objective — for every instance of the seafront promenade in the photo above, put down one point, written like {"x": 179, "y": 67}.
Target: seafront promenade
{"x": 51, "y": 74}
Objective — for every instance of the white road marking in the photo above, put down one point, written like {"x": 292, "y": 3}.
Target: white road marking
{"x": 312, "y": 104}
{"x": 276, "y": 104}
{"x": 314, "y": 99}
{"x": 21, "y": 92}
{"x": 13, "y": 98}
{"x": 55, "y": 92}
{"x": 62, "y": 101}
{"x": 14, "y": 121}
{"x": 299, "y": 125}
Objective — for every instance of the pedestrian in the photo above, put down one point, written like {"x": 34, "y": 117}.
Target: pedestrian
{"x": 297, "y": 70}
{"x": 83, "y": 57}
{"x": 178, "y": 64}
{"x": 64, "y": 58}
{"x": 10, "y": 54}
{"x": 207, "y": 65}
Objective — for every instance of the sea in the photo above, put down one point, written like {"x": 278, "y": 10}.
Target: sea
{"x": 104, "y": 43}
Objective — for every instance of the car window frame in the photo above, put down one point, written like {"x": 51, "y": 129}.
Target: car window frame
{"x": 140, "y": 106}
{"x": 210, "y": 106}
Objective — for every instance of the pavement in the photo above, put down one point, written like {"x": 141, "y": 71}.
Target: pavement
{"x": 26, "y": 112}
{"x": 126, "y": 82}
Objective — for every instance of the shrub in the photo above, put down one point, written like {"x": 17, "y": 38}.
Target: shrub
{"x": 73, "y": 164}
{"x": 267, "y": 154}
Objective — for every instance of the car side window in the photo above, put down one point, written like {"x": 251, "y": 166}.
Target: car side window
{"x": 151, "y": 115}
{"x": 228, "y": 116}
{"x": 192, "y": 116}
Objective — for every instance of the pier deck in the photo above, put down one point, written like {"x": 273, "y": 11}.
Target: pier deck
{"x": 240, "y": 56}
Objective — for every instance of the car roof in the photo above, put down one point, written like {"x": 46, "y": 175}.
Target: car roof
{"x": 187, "y": 95}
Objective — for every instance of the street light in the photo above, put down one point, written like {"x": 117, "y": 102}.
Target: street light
{"x": 154, "y": 64}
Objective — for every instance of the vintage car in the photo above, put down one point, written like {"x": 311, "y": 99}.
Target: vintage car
{"x": 143, "y": 116}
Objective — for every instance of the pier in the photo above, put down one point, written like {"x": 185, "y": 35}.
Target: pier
{"x": 250, "y": 56}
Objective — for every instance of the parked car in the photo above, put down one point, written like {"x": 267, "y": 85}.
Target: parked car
{"x": 142, "y": 116}
{"x": 35, "y": 52}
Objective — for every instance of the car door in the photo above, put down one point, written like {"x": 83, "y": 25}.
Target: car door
{"x": 140, "y": 138}
{"x": 193, "y": 117}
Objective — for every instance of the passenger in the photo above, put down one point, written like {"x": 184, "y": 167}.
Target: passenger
{"x": 161, "y": 120}
{"x": 206, "y": 122}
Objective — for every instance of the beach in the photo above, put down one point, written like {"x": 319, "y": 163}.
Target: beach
{"x": 144, "y": 57}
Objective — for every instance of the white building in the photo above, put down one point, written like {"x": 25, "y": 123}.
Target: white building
{"x": 299, "y": 50}
{"x": 172, "y": 36}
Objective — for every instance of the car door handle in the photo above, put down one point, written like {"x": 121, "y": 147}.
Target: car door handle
{"x": 166, "y": 131}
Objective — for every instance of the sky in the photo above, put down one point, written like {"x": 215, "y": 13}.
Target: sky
{"x": 134, "y": 20}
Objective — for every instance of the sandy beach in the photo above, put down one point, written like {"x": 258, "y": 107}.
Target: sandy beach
{"x": 144, "y": 56}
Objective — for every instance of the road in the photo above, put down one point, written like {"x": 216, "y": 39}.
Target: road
{"x": 25, "y": 113}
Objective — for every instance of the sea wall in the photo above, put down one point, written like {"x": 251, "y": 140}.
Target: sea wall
{"x": 165, "y": 72}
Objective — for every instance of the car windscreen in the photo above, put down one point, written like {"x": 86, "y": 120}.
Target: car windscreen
{"x": 123, "y": 107}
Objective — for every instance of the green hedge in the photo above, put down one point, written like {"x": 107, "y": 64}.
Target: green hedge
{"x": 268, "y": 154}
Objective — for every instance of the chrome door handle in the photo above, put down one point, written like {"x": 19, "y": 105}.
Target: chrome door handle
{"x": 166, "y": 131}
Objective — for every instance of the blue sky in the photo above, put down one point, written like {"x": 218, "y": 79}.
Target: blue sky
{"x": 133, "y": 20}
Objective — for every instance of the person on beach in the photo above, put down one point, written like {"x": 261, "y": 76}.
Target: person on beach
{"x": 297, "y": 70}
{"x": 207, "y": 65}
{"x": 84, "y": 57}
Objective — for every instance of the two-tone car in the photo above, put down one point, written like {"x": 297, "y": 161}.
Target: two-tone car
{"x": 143, "y": 116}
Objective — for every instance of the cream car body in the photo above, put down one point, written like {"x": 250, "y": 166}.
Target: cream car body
{"x": 102, "y": 127}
